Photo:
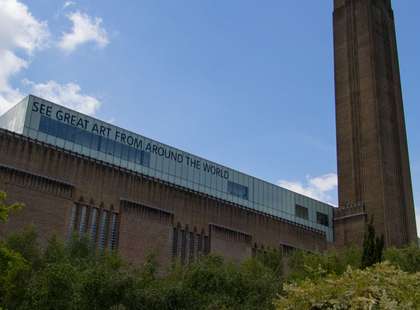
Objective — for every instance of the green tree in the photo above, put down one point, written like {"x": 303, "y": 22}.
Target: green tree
{"x": 373, "y": 246}
{"x": 73, "y": 275}
{"x": 26, "y": 244}
{"x": 14, "y": 272}
{"x": 6, "y": 209}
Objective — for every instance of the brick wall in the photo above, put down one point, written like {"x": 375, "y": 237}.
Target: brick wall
{"x": 148, "y": 213}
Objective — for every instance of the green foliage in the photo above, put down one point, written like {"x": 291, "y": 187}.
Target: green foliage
{"x": 14, "y": 271}
{"x": 303, "y": 265}
{"x": 53, "y": 287}
{"x": 209, "y": 283}
{"x": 6, "y": 209}
{"x": 373, "y": 247}
{"x": 73, "y": 275}
{"x": 408, "y": 258}
{"x": 380, "y": 287}
{"x": 272, "y": 259}
{"x": 25, "y": 243}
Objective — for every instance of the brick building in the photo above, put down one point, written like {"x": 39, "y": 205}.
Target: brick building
{"x": 127, "y": 192}
{"x": 373, "y": 166}
{"x": 130, "y": 193}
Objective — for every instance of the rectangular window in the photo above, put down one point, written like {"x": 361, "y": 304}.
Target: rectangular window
{"x": 301, "y": 212}
{"x": 71, "y": 134}
{"x": 113, "y": 237}
{"x": 192, "y": 247}
{"x": 72, "y": 221}
{"x": 175, "y": 242}
{"x": 93, "y": 224}
{"x": 179, "y": 244}
{"x": 287, "y": 249}
{"x": 183, "y": 245}
{"x": 95, "y": 143}
{"x": 199, "y": 245}
{"x": 87, "y": 139}
{"x": 132, "y": 154}
{"x": 118, "y": 149}
{"x": 83, "y": 218}
{"x": 145, "y": 158}
{"x": 238, "y": 190}
{"x": 110, "y": 147}
{"x": 103, "y": 229}
{"x": 322, "y": 219}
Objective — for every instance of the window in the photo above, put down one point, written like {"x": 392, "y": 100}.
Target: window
{"x": 81, "y": 137}
{"x": 322, "y": 219}
{"x": 113, "y": 237}
{"x": 109, "y": 147}
{"x": 93, "y": 224}
{"x": 102, "y": 229}
{"x": 72, "y": 221}
{"x": 145, "y": 158}
{"x": 132, "y": 154}
{"x": 95, "y": 143}
{"x": 84, "y": 138}
{"x": 238, "y": 190}
{"x": 117, "y": 149}
{"x": 301, "y": 212}
{"x": 83, "y": 219}
{"x": 287, "y": 250}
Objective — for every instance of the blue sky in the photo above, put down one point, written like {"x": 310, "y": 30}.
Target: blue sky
{"x": 248, "y": 84}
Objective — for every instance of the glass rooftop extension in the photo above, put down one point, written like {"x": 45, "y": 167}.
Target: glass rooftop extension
{"x": 54, "y": 124}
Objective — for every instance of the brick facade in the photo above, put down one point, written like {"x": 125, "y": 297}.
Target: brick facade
{"x": 373, "y": 164}
{"x": 65, "y": 192}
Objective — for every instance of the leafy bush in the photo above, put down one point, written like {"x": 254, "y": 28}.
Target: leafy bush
{"x": 380, "y": 287}
{"x": 407, "y": 258}
{"x": 74, "y": 275}
{"x": 303, "y": 265}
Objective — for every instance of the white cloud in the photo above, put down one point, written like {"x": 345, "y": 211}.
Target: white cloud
{"x": 10, "y": 65}
{"x": 320, "y": 188}
{"x": 19, "y": 29}
{"x": 22, "y": 34}
{"x": 68, "y": 95}
{"x": 19, "y": 32}
{"x": 85, "y": 29}
{"x": 68, "y": 3}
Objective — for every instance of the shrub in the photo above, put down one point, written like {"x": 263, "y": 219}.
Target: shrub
{"x": 407, "y": 258}
{"x": 380, "y": 287}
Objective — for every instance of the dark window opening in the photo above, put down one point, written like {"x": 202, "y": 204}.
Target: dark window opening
{"x": 238, "y": 190}
{"x": 287, "y": 250}
{"x": 301, "y": 212}
{"x": 322, "y": 219}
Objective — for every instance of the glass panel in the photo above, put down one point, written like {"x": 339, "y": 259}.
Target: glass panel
{"x": 301, "y": 212}
{"x": 89, "y": 140}
{"x": 238, "y": 190}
